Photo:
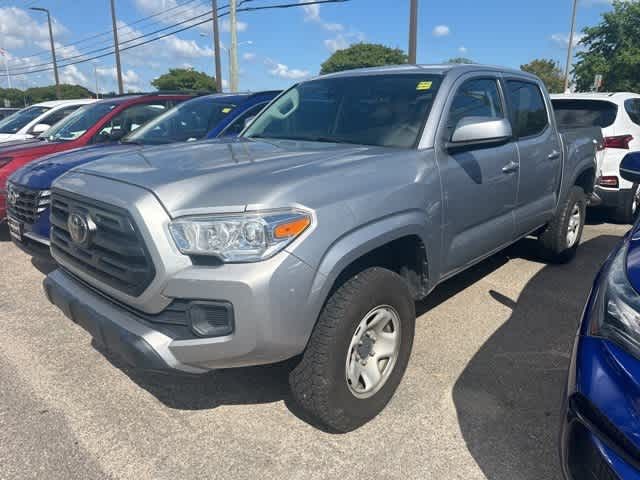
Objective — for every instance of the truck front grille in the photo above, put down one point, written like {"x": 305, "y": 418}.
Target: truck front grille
{"x": 26, "y": 204}
{"x": 113, "y": 252}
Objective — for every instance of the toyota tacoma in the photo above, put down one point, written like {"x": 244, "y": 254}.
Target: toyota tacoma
{"x": 311, "y": 235}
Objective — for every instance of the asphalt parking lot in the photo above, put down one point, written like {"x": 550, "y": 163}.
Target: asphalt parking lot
{"x": 480, "y": 398}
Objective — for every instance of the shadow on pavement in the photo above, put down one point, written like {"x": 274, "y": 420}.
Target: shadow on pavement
{"x": 238, "y": 386}
{"x": 509, "y": 395}
{"x": 507, "y": 398}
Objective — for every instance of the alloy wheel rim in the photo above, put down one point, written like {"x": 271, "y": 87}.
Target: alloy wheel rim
{"x": 573, "y": 229}
{"x": 373, "y": 352}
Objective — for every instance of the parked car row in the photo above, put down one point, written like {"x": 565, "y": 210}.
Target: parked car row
{"x": 236, "y": 230}
{"x": 98, "y": 126}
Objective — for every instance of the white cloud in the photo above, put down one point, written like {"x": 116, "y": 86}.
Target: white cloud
{"x": 132, "y": 81}
{"x": 249, "y": 56}
{"x": 343, "y": 40}
{"x": 441, "y": 31}
{"x": 312, "y": 14}
{"x": 283, "y": 71}
{"x": 225, "y": 26}
{"x": 72, "y": 75}
{"x": 463, "y": 49}
{"x": 337, "y": 43}
{"x": 18, "y": 28}
{"x": 562, "y": 39}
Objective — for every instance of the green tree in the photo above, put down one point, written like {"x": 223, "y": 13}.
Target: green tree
{"x": 363, "y": 55}
{"x": 549, "y": 72}
{"x": 612, "y": 49}
{"x": 20, "y": 98}
{"x": 186, "y": 79}
{"x": 459, "y": 60}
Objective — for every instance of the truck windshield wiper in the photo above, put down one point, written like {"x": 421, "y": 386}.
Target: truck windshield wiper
{"x": 303, "y": 139}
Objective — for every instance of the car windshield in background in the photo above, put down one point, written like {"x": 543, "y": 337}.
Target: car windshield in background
{"x": 188, "y": 121}
{"x": 584, "y": 113}
{"x": 16, "y": 121}
{"x": 385, "y": 110}
{"x": 78, "y": 122}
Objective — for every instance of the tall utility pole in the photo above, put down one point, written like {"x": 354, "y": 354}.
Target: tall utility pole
{"x": 116, "y": 48}
{"x": 570, "y": 47}
{"x": 413, "y": 32}
{"x": 216, "y": 44}
{"x": 233, "y": 50}
{"x": 53, "y": 48}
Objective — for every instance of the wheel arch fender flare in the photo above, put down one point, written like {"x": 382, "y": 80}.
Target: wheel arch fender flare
{"x": 357, "y": 243}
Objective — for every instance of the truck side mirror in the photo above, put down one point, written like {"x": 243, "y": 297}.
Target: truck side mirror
{"x": 476, "y": 131}
{"x": 630, "y": 167}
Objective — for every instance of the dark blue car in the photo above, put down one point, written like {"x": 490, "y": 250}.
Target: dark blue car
{"x": 600, "y": 435}
{"x": 205, "y": 117}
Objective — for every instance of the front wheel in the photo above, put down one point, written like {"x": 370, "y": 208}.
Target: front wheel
{"x": 358, "y": 351}
{"x": 559, "y": 241}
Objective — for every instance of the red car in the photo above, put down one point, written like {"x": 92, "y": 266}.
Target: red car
{"x": 104, "y": 121}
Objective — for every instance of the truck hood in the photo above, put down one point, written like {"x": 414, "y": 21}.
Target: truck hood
{"x": 41, "y": 173}
{"x": 232, "y": 175}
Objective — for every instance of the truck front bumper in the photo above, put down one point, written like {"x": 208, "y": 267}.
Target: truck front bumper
{"x": 270, "y": 317}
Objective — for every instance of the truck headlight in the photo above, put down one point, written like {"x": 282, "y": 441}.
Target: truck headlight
{"x": 618, "y": 309}
{"x": 247, "y": 237}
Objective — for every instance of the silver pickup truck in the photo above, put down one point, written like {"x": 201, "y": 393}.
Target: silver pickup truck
{"x": 310, "y": 236}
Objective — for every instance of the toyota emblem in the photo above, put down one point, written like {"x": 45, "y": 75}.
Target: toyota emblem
{"x": 12, "y": 196}
{"x": 80, "y": 228}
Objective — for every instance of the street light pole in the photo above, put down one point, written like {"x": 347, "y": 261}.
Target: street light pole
{"x": 53, "y": 48}
{"x": 233, "y": 50}
{"x": 570, "y": 47}
{"x": 116, "y": 48}
{"x": 216, "y": 44}
{"x": 95, "y": 73}
{"x": 413, "y": 32}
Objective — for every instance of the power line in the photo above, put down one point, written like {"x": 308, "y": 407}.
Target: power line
{"x": 110, "y": 32}
{"x": 202, "y": 22}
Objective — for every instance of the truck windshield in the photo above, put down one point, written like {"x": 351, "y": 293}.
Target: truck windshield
{"x": 16, "y": 121}
{"x": 79, "y": 122}
{"x": 584, "y": 113}
{"x": 385, "y": 110}
{"x": 187, "y": 122}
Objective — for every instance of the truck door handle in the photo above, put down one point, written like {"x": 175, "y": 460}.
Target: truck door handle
{"x": 510, "y": 167}
{"x": 553, "y": 155}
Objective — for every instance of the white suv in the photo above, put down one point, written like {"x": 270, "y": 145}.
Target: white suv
{"x": 618, "y": 114}
{"x": 36, "y": 119}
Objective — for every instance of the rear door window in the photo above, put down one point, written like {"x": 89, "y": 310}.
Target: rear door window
{"x": 578, "y": 113}
{"x": 632, "y": 106}
{"x": 54, "y": 117}
{"x": 129, "y": 120}
{"x": 528, "y": 111}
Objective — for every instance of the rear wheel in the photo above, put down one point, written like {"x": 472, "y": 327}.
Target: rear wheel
{"x": 358, "y": 351}
{"x": 559, "y": 241}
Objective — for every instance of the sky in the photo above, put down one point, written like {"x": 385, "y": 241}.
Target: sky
{"x": 277, "y": 47}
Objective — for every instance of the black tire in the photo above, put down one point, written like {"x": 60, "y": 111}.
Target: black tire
{"x": 627, "y": 211}
{"x": 319, "y": 383}
{"x": 553, "y": 242}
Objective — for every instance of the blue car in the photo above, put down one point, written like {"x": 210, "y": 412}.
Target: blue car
{"x": 600, "y": 434}
{"x": 205, "y": 117}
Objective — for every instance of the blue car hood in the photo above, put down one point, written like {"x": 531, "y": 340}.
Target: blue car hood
{"x": 41, "y": 173}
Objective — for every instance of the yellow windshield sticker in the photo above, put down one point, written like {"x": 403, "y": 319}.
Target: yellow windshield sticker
{"x": 424, "y": 86}
{"x": 226, "y": 110}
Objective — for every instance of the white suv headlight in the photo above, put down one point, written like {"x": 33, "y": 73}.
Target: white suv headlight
{"x": 246, "y": 237}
